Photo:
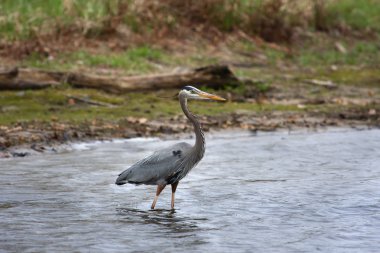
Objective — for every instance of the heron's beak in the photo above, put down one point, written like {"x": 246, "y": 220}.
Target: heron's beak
{"x": 206, "y": 95}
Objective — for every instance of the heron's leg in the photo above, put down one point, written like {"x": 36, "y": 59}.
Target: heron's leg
{"x": 159, "y": 190}
{"x": 174, "y": 188}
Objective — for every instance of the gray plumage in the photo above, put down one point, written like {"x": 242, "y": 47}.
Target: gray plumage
{"x": 160, "y": 168}
{"x": 171, "y": 164}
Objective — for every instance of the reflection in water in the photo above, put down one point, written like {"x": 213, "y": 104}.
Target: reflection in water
{"x": 168, "y": 220}
{"x": 265, "y": 193}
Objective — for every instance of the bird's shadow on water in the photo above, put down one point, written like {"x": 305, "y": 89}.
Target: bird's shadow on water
{"x": 164, "y": 218}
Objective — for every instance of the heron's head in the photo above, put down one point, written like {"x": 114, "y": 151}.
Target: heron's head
{"x": 191, "y": 92}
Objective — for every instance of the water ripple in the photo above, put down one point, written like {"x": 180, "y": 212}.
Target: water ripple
{"x": 279, "y": 192}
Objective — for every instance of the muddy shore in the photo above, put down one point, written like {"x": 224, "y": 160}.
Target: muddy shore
{"x": 38, "y": 138}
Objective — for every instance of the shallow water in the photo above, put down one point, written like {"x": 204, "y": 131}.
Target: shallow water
{"x": 281, "y": 192}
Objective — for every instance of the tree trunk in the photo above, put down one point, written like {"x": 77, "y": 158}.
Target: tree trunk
{"x": 211, "y": 76}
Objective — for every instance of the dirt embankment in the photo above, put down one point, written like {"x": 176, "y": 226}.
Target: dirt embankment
{"x": 34, "y": 138}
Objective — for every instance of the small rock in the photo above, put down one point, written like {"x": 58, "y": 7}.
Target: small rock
{"x": 20, "y": 93}
{"x": 5, "y": 155}
{"x": 3, "y": 142}
{"x": 37, "y": 148}
{"x": 372, "y": 112}
{"x": 142, "y": 120}
{"x": 10, "y": 108}
{"x": 339, "y": 46}
{"x": 131, "y": 119}
{"x": 19, "y": 154}
{"x": 71, "y": 101}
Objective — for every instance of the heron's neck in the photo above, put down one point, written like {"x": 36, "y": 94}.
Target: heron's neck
{"x": 200, "y": 139}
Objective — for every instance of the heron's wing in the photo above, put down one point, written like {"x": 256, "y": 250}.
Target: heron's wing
{"x": 157, "y": 168}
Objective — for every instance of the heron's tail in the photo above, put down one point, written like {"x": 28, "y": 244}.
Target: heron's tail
{"x": 122, "y": 178}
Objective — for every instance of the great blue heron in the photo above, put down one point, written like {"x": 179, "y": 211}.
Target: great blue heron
{"x": 170, "y": 165}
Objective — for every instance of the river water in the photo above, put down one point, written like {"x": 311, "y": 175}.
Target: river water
{"x": 277, "y": 192}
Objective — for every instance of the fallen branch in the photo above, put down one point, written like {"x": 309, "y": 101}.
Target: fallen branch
{"x": 89, "y": 101}
{"x": 210, "y": 76}
{"x": 20, "y": 78}
{"x": 327, "y": 84}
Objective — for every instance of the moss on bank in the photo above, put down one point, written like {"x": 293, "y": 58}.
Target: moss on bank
{"x": 55, "y": 104}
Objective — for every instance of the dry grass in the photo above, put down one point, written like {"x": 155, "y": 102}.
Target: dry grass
{"x": 49, "y": 26}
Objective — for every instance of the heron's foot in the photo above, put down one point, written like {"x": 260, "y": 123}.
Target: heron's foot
{"x": 154, "y": 203}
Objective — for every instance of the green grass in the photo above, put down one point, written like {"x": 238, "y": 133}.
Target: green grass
{"x": 53, "y": 103}
{"x": 134, "y": 61}
{"x": 44, "y": 105}
{"x": 358, "y": 14}
{"x": 137, "y": 60}
{"x": 20, "y": 19}
{"x": 358, "y": 53}
{"x": 320, "y": 51}
{"x": 369, "y": 77}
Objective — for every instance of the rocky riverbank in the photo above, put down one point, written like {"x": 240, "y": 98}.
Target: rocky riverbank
{"x": 38, "y": 138}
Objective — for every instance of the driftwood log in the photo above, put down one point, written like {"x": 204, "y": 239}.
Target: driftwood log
{"x": 23, "y": 78}
{"x": 20, "y": 79}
